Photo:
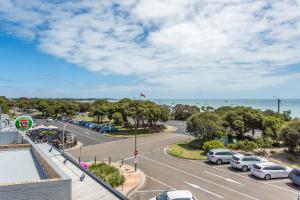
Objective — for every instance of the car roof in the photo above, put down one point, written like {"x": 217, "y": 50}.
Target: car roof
{"x": 180, "y": 194}
{"x": 219, "y": 150}
{"x": 264, "y": 164}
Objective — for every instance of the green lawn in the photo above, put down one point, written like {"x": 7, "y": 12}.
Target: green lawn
{"x": 183, "y": 150}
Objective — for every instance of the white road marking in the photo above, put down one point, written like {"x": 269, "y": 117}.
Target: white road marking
{"x": 246, "y": 177}
{"x": 160, "y": 182}
{"x": 198, "y": 187}
{"x": 280, "y": 181}
{"x": 226, "y": 179}
{"x": 144, "y": 191}
{"x": 211, "y": 182}
{"x": 87, "y": 133}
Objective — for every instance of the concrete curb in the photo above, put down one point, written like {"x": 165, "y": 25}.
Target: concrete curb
{"x": 142, "y": 182}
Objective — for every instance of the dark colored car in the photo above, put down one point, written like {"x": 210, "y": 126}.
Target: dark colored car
{"x": 295, "y": 176}
{"x": 107, "y": 129}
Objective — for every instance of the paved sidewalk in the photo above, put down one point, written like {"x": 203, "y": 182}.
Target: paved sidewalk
{"x": 133, "y": 179}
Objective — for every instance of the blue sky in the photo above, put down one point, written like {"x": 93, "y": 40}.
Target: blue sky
{"x": 166, "y": 49}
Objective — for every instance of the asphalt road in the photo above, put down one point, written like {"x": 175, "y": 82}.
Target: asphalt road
{"x": 205, "y": 181}
{"x": 83, "y": 135}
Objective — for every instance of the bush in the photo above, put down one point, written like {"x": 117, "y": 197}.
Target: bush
{"x": 108, "y": 173}
{"x": 264, "y": 143}
{"x": 244, "y": 145}
{"x": 231, "y": 146}
{"x": 213, "y": 144}
{"x": 196, "y": 144}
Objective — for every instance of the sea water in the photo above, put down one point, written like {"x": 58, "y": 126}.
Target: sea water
{"x": 263, "y": 104}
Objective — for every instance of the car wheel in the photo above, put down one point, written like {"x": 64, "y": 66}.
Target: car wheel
{"x": 219, "y": 162}
{"x": 267, "y": 177}
{"x": 245, "y": 168}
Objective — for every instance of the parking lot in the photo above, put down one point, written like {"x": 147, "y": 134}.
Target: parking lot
{"x": 205, "y": 180}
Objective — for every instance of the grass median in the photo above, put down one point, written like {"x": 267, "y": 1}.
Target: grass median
{"x": 183, "y": 150}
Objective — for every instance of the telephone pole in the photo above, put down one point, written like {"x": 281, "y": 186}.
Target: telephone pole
{"x": 278, "y": 104}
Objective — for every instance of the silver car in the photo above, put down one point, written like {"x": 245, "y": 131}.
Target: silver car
{"x": 219, "y": 156}
{"x": 244, "y": 162}
{"x": 269, "y": 170}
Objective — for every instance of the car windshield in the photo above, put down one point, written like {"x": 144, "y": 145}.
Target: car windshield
{"x": 235, "y": 158}
{"x": 296, "y": 172}
{"x": 256, "y": 166}
{"x": 162, "y": 196}
{"x": 211, "y": 153}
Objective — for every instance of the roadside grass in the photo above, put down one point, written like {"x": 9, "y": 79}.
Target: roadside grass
{"x": 128, "y": 133}
{"x": 183, "y": 150}
{"x": 84, "y": 118}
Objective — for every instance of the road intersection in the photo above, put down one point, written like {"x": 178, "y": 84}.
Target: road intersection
{"x": 164, "y": 172}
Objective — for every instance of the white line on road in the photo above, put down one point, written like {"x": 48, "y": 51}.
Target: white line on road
{"x": 226, "y": 179}
{"x": 198, "y": 187}
{"x": 280, "y": 181}
{"x": 160, "y": 182}
{"x": 144, "y": 191}
{"x": 86, "y": 132}
{"x": 246, "y": 177}
{"x": 200, "y": 178}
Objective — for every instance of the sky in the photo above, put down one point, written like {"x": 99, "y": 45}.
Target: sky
{"x": 163, "y": 48}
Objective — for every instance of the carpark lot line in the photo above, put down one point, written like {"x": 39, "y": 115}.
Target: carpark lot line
{"x": 200, "y": 178}
{"x": 85, "y": 135}
{"x": 198, "y": 187}
{"x": 280, "y": 181}
{"x": 160, "y": 182}
{"x": 144, "y": 191}
{"x": 226, "y": 179}
{"x": 258, "y": 181}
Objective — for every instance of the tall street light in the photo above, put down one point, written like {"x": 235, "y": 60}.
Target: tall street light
{"x": 64, "y": 134}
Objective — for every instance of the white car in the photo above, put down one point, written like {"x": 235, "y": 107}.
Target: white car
{"x": 244, "y": 162}
{"x": 269, "y": 170}
{"x": 175, "y": 195}
{"x": 49, "y": 119}
{"x": 299, "y": 196}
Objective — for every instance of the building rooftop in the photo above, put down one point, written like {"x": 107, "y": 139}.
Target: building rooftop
{"x": 88, "y": 189}
{"x": 19, "y": 165}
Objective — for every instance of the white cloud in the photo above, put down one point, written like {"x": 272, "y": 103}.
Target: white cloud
{"x": 176, "y": 44}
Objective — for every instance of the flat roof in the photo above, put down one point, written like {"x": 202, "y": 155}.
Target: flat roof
{"x": 19, "y": 165}
{"x": 87, "y": 189}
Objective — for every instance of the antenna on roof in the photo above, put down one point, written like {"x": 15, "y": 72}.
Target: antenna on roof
{"x": 278, "y": 103}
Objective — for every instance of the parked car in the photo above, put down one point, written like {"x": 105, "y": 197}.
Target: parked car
{"x": 107, "y": 129}
{"x": 49, "y": 119}
{"x": 175, "y": 195}
{"x": 269, "y": 170}
{"x": 245, "y": 162}
{"x": 295, "y": 176}
{"x": 220, "y": 156}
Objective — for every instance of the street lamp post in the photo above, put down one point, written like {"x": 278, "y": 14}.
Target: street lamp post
{"x": 64, "y": 134}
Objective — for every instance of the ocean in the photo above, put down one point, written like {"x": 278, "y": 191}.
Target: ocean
{"x": 263, "y": 104}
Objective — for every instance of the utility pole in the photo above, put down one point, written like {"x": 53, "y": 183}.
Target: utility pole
{"x": 278, "y": 104}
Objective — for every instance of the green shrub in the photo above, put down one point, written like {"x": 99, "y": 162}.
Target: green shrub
{"x": 231, "y": 146}
{"x": 292, "y": 158}
{"x": 196, "y": 144}
{"x": 108, "y": 173}
{"x": 264, "y": 143}
{"x": 213, "y": 144}
{"x": 244, "y": 145}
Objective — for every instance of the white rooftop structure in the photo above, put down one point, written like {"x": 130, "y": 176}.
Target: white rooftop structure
{"x": 19, "y": 165}
{"x": 88, "y": 189}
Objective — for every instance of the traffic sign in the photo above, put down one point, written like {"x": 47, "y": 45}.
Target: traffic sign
{"x": 23, "y": 123}
{"x": 136, "y": 152}
{"x": 136, "y": 160}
